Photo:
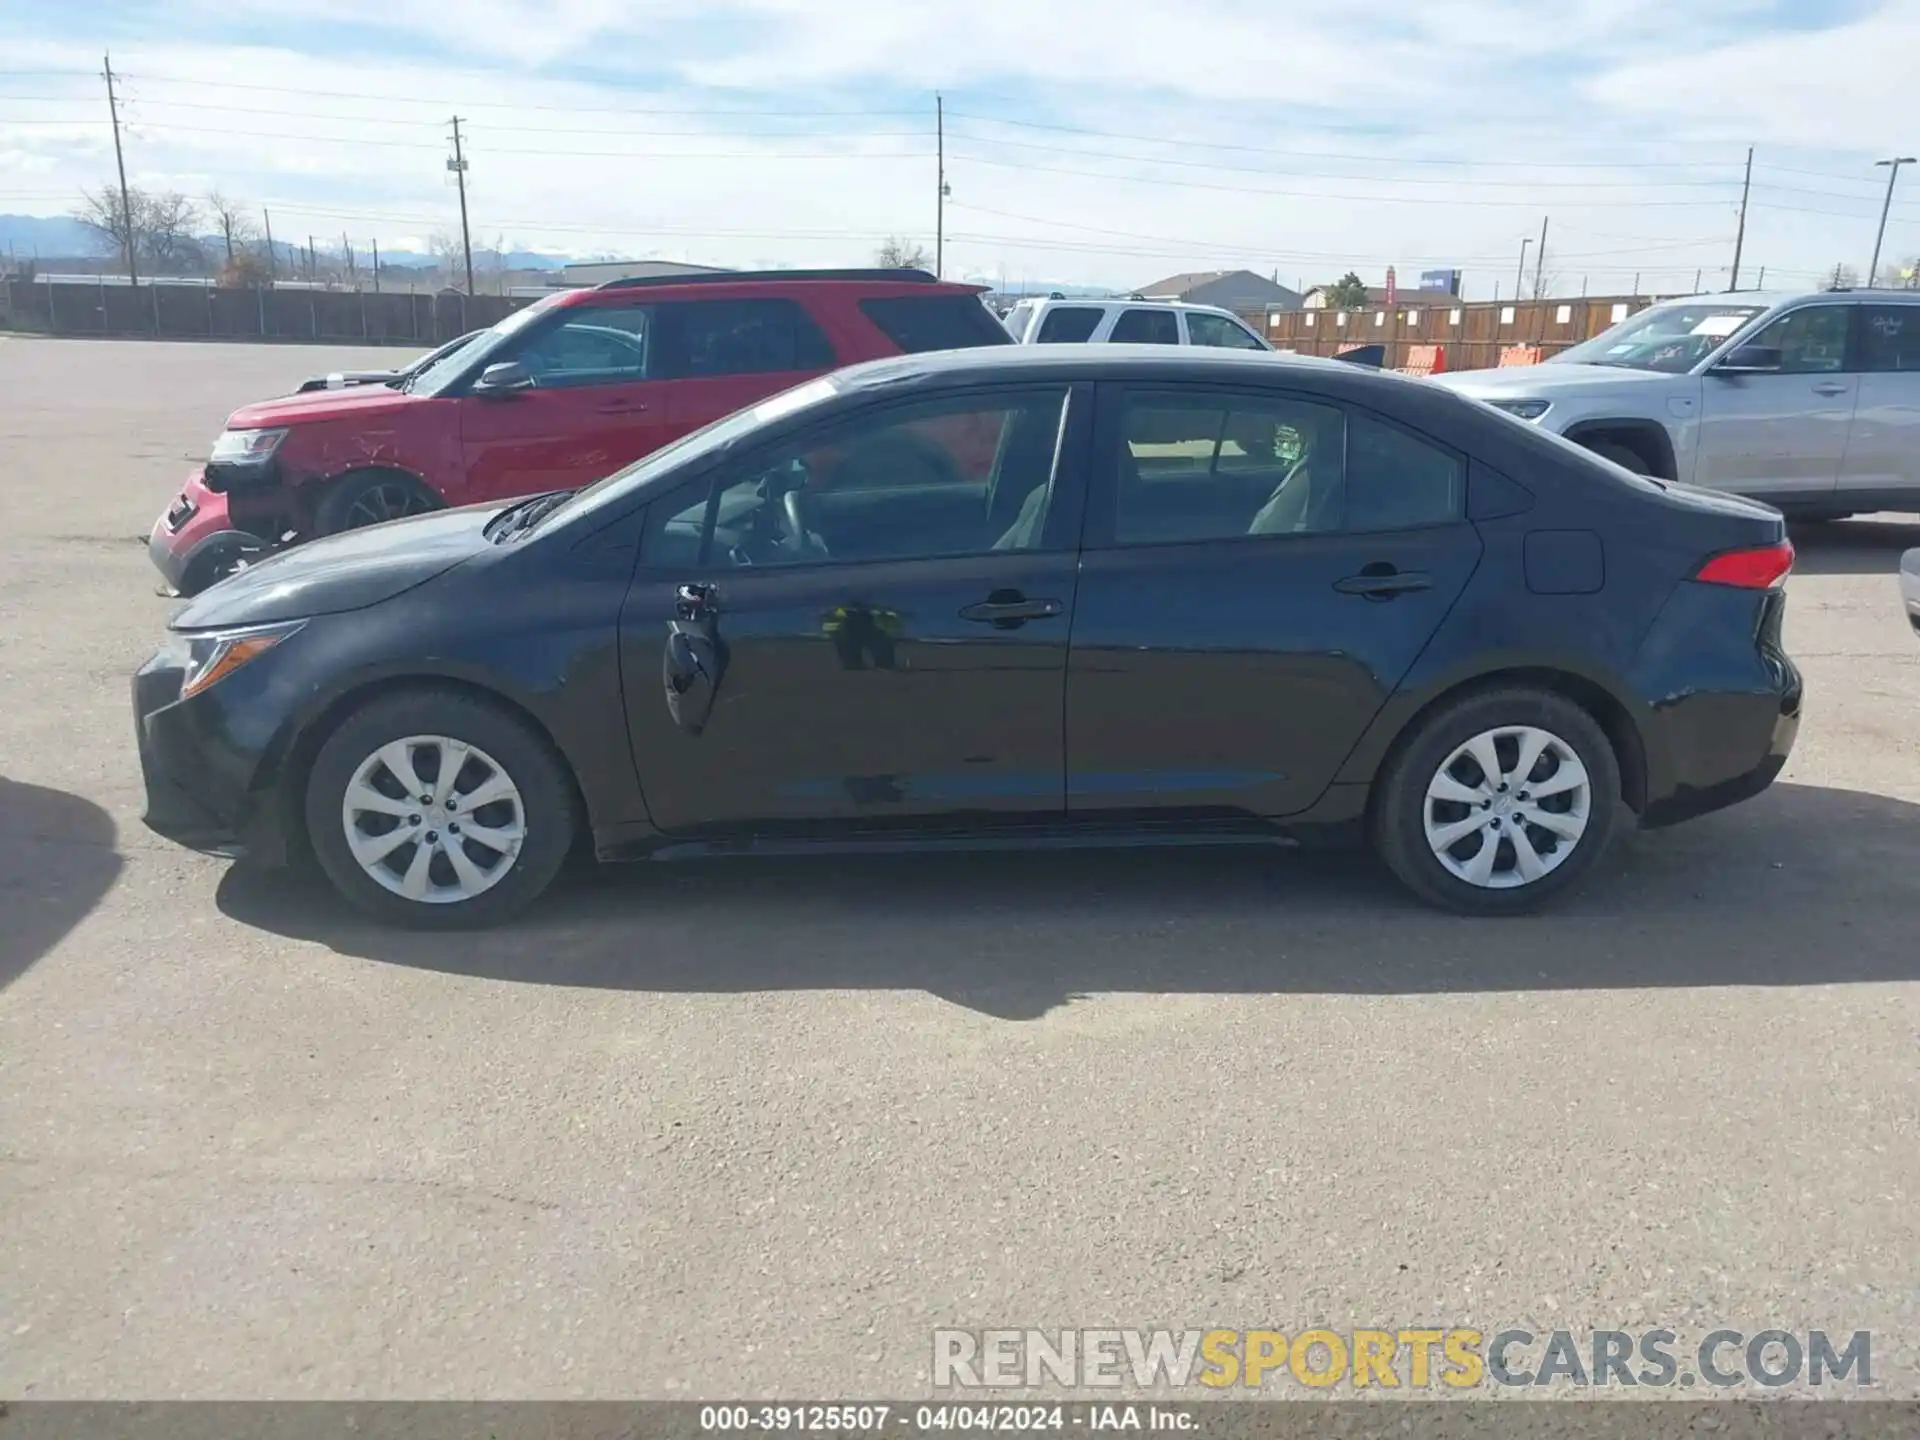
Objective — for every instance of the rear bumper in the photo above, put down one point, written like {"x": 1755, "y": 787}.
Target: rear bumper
{"x": 1728, "y": 712}
{"x": 194, "y": 539}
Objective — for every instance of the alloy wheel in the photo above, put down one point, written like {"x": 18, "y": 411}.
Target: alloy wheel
{"x": 1507, "y": 807}
{"x": 433, "y": 819}
{"x": 385, "y": 501}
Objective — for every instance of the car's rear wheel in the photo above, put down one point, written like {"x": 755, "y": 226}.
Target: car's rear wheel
{"x": 1498, "y": 802}
{"x": 369, "y": 497}
{"x": 440, "y": 809}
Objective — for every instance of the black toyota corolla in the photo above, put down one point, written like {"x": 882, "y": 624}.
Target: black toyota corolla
{"x": 1035, "y": 595}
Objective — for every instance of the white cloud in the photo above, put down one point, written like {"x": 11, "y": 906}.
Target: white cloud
{"x": 1597, "y": 87}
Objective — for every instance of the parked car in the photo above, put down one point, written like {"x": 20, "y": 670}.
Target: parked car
{"x": 343, "y": 379}
{"x": 560, "y": 393}
{"x": 1910, "y": 587}
{"x": 1129, "y": 322}
{"x": 1809, "y": 402}
{"x": 1198, "y": 594}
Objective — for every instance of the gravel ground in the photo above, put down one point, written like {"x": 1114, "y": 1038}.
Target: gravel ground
{"x": 761, "y": 1127}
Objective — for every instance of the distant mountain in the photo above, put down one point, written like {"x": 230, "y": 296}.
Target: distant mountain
{"x": 30, "y": 235}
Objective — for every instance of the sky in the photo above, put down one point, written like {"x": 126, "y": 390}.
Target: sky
{"x": 1106, "y": 142}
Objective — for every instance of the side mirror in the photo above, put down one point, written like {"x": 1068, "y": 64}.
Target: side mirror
{"x": 1752, "y": 360}
{"x": 503, "y": 379}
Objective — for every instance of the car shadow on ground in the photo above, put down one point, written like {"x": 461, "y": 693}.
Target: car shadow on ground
{"x": 1802, "y": 886}
{"x": 1854, "y": 547}
{"x": 57, "y": 860}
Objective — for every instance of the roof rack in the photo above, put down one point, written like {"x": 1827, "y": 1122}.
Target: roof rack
{"x": 730, "y": 277}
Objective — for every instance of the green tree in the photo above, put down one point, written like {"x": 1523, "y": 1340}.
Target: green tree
{"x": 1349, "y": 292}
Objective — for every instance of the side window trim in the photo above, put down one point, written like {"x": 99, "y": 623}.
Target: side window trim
{"x": 1103, "y": 467}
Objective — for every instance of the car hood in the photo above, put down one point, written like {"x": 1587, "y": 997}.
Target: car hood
{"x": 1550, "y": 380}
{"x": 342, "y": 572}
{"x": 359, "y": 403}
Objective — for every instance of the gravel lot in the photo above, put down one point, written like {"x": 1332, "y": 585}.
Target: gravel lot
{"x": 761, "y": 1127}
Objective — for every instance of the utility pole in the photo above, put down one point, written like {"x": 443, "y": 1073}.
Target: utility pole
{"x": 1520, "y": 271}
{"x": 458, "y": 164}
{"x": 1740, "y": 236}
{"x": 272, "y": 267}
{"x": 1873, "y": 268}
{"x": 376, "y": 267}
{"x": 311, "y": 268}
{"x": 346, "y": 249}
{"x": 120, "y": 162}
{"x": 1761, "y": 283}
{"x": 940, "y": 201}
{"x": 1540, "y": 261}
{"x": 1696, "y": 280}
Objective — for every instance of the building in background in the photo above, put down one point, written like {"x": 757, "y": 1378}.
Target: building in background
{"x": 1237, "y": 290}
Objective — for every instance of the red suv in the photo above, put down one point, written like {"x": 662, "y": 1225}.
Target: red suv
{"x": 567, "y": 390}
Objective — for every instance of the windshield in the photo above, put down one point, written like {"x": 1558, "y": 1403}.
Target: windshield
{"x": 702, "y": 442}
{"x": 452, "y": 365}
{"x": 1669, "y": 338}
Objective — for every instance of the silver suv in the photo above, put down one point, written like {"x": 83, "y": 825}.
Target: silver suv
{"x": 1808, "y": 402}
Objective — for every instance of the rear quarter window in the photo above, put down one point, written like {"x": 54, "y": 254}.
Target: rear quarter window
{"x": 919, "y": 323}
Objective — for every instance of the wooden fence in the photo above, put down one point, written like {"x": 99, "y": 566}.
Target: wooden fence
{"x": 1471, "y": 335}
{"x": 211, "y": 312}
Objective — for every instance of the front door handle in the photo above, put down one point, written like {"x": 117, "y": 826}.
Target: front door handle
{"x": 1383, "y": 582}
{"x": 623, "y": 407}
{"x": 1829, "y": 387}
{"x": 1008, "y": 609}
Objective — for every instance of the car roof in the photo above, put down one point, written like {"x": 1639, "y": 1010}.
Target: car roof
{"x": 1109, "y": 362}
{"x": 896, "y": 281}
{"x": 1767, "y": 299}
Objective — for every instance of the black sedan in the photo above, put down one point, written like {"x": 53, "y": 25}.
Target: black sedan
{"x": 1034, "y": 596}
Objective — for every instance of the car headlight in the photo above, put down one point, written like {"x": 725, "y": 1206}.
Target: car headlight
{"x": 1525, "y": 409}
{"x": 245, "y": 447}
{"x": 209, "y": 656}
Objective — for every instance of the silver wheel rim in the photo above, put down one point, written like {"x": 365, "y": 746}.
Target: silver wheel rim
{"x": 1508, "y": 807}
{"x": 433, "y": 819}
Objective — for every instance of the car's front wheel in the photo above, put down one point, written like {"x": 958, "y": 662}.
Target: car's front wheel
{"x": 1498, "y": 802}
{"x": 437, "y": 808}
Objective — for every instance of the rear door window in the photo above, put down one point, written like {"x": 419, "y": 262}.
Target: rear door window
{"x": 1069, "y": 324}
{"x": 919, "y": 323}
{"x": 694, "y": 339}
{"x": 1146, "y": 327}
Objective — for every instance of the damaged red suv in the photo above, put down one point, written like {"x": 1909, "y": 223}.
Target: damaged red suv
{"x": 555, "y": 396}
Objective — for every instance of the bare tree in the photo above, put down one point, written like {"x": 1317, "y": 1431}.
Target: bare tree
{"x": 896, "y": 253}
{"x": 447, "y": 253}
{"x": 235, "y": 222}
{"x": 157, "y": 227}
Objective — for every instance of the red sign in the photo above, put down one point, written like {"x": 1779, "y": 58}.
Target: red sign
{"x": 1393, "y": 290}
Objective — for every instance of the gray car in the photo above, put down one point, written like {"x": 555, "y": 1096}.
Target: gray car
{"x": 1809, "y": 402}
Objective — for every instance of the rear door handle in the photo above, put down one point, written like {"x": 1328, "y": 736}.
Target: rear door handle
{"x": 1830, "y": 388}
{"x": 1009, "y": 610}
{"x": 623, "y": 407}
{"x": 1383, "y": 584}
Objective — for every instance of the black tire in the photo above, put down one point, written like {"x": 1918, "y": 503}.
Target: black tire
{"x": 550, "y": 817}
{"x": 367, "y": 497}
{"x": 1622, "y": 455}
{"x": 1398, "y": 818}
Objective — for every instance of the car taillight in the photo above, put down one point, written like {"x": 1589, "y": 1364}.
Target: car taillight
{"x": 1759, "y": 568}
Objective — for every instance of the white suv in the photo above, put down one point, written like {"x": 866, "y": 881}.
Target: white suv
{"x": 1808, "y": 402}
{"x": 1129, "y": 322}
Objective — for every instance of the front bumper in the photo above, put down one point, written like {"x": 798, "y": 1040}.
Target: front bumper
{"x": 194, "y": 541}
{"x": 198, "y": 775}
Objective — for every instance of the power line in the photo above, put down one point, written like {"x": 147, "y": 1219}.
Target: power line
{"x": 1296, "y": 194}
